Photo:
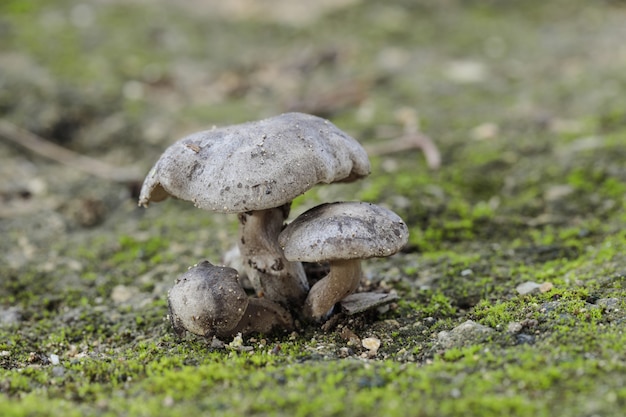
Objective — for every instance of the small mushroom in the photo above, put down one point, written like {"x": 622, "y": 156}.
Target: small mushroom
{"x": 256, "y": 169}
{"x": 341, "y": 233}
{"x": 208, "y": 300}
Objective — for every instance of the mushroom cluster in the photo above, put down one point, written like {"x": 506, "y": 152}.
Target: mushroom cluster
{"x": 255, "y": 170}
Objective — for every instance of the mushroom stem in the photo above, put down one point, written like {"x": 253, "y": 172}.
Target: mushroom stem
{"x": 271, "y": 275}
{"x": 342, "y": 280}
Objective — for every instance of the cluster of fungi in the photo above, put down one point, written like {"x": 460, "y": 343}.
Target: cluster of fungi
{"x": 255, "y": 170}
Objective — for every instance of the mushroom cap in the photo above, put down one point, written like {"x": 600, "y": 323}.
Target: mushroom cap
{"x": 255, "y": 165}
{"x": 343, "y": 231}
{"x": 207, "y": 300}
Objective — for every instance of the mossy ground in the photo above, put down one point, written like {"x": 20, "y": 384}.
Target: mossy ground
{"x": 525, "y": 101}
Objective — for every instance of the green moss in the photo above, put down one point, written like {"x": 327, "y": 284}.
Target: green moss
{"x": 130, "y": 249}
{"x": 435, "y": 304}
{"x": 352, "y": 388}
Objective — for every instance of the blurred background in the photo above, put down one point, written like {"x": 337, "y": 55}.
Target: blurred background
{"x": 524, "y": 101}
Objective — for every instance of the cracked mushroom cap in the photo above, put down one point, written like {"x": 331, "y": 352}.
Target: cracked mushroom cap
{"x": 343, "y": 231}
{"x": 207, "y": 300}
{"x": 255, "y": 165}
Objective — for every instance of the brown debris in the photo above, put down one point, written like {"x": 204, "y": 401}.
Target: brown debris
{"x": 47, "y": 149}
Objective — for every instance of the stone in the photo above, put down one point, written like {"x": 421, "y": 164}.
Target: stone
{"x": 466, "y": 333}
{"x": 371, "y": 343}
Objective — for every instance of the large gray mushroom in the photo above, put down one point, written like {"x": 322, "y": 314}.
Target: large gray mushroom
{"x": 207, "y": 300}
{"x": 341, "y": 233}
{"x": 256, "y": 169}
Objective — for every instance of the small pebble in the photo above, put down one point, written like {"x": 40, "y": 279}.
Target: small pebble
{"x": 123, "y": 293}
{"x": 524, "y": 339}
{"x": 467, "y": 332}
{"x": 466, "y": 272}
{"x": 345, "y": 352}
{"x": 371, "y": 343}
{"x": 217, "y": 343}
{"x": 609, "y": 304}
{"x": 9, "y": 316}
{"x": 558, "y": 192}
{"x": 528, "y": 287}
{"x": 236, "y": 342}
{"x": 514, "y": 327}
{"x": 429, "y": 321}
{"x": 531, "y": 287}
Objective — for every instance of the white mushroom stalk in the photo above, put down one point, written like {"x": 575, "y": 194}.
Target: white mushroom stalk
{"x": 341, "y": 233}
{"x": 342, "y": 280}
{"x": 256, "y": 169}
{"x": 265, "y": 263}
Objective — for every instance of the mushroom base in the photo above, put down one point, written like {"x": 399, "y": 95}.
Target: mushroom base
{"x": 263, "y": 316}
{"x": 208, "y": 301}
{"x": 271, "y": 275}
{"x": 342, "y": 280}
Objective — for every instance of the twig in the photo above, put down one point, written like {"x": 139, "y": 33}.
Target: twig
{"x": 411, "y": 139}
{"x": 67, "y": 157}
{"x": 407, "y": 142}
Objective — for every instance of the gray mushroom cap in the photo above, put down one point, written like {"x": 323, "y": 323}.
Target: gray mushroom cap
{"x": 255, "y": 165}
{"x": 343, "y": 231}
{"x": 207, "y": 300}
